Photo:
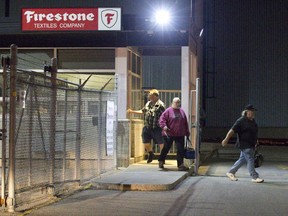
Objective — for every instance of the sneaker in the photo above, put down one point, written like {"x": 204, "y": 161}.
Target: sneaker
{"x": 258, "y": 180}
{"x": 182, "y": 168}
{"x": 161, "y": 164}
{"x": 150, "y": 157}
{"x": 232, "y": 177}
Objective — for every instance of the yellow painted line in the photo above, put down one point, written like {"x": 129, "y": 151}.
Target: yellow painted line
{"x": 283, "y": 167}
{"x": 203, "y": 170}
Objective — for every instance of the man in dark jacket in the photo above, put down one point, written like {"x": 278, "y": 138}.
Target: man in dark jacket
{"x": 247, "y": 134}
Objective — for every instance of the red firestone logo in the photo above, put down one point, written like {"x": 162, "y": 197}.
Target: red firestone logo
{"x": 109, "y": 17}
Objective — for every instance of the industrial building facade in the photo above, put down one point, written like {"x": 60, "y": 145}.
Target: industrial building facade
{"x": 124, "y": 56}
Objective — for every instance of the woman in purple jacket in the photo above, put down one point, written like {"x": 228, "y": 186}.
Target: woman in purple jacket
{"x": 174, "y": 124}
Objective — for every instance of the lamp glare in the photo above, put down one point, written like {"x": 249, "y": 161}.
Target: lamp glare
{"x": 162, "y": 17}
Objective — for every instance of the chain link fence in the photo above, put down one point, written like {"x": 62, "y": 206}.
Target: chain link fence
{"x": 63, "y": 133}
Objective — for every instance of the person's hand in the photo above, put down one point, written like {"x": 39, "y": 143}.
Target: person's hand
{"x": 166, "y": 128}
{"x": 129, "y": 110}
{"x": 224, "y": 142}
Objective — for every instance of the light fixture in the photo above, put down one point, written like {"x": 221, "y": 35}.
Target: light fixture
{"x": 162, "y": 17}
{"x": 201, "y": 32}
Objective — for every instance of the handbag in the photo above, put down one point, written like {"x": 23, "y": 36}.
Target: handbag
{"x": 189, "y": 152}
{"x": 258, "y": 158}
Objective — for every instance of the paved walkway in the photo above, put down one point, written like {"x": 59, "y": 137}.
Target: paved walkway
{"x": 144, "y": 177}
{"x": 149, "y": 177}
{"x": 209, "y": 193}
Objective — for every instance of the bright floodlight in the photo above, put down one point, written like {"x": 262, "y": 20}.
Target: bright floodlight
{"x": 162, "y": 17}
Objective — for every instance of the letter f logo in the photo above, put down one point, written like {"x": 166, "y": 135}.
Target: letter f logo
{"x": 109, "y": 17}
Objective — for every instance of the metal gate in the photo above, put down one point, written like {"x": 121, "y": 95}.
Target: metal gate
{"x": 54, "y": 133}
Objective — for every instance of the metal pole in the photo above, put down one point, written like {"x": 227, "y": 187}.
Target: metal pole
{"x": 52, "y": 124}
{"x": 30, "y": 129}
{"x": 99, "y": 134}
{"x": 3, "y": 171}
{"x": 65, "y": 136}
{"x": 116, "y": 121}
{"x": 12, "y": 128}
{"x": 78, "y": 136}
{"x": 197, "y": 159}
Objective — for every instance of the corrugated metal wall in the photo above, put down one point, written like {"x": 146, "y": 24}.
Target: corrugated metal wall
{"x": 162, "y": 72}
{"x": 251, "y": 61}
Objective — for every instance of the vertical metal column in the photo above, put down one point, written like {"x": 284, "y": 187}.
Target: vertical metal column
{"x": 4, "y": 130}
{"x": 30, "y": 129}
{"x": 99, "y": 135}
{"x": 52, "y": 124}
{"x": 116, "y": 120}
{"x": 78, "y": 136}
{"x": 197, "y": 159}
{"x": 12, "y": 129}
{"x": 65, "y": 136}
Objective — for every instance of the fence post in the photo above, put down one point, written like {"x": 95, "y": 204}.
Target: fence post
{"x": 197, "y": 160}
{"x": 4, "y": 130}
{"x": 78, "y": 134}
{"x": 52, "y": 124}
{"x": 65, "y": 136}
{"x": 99, "y": 134}
{"x": 116, "y": 121}
{"x": 12, "y": 128}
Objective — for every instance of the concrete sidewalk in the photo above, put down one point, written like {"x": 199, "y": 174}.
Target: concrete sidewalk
{"x": 149, "y": 177}
{"x": 144, "y": 177}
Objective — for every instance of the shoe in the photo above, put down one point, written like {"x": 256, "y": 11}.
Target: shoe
{"x": 182, "y": 168}
{"x": 161, "y": 164}
{"x": 232, "y": 177}
{"x": 150, "y": 157}
{"x": 258, "y": 180}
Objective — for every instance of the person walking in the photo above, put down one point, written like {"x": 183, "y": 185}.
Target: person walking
{"x": 151, "y": 130}
{"x": 174, "y": 124}
{"x": 246, "y": 129}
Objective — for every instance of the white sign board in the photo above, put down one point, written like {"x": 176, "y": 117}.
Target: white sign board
{"x": 110, "y": 127}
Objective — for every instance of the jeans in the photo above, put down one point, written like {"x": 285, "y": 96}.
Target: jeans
{"x": 246, "y": 155}
{"x": 168, "y": 141}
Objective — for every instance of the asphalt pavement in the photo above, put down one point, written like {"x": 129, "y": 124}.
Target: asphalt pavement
{"x": 145, "y": 189}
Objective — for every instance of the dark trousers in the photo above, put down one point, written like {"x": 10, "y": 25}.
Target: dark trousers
{"x": 168, "y": 141}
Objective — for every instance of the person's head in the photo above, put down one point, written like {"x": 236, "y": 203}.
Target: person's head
{"x": 249, "y": 111}
{"x": 176, "y": 103}
{"x": 153, "y": 95}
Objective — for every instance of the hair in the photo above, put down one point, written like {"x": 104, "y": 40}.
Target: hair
{"x": 244, "y": 113}
{"x": 174, "y": 105}
{"x": 154, "y": 92}
{"x": 175, "y": 99}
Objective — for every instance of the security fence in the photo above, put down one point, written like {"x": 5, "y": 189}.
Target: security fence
{"x": 54, "y": 132}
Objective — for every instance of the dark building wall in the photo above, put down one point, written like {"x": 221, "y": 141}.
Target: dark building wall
{"x": 250, "y": 61}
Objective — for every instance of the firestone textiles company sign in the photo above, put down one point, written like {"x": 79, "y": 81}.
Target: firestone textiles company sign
{"x": 71, "y": 19}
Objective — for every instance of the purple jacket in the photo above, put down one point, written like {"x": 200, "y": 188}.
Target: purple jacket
{"x": 176, "y": 121}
